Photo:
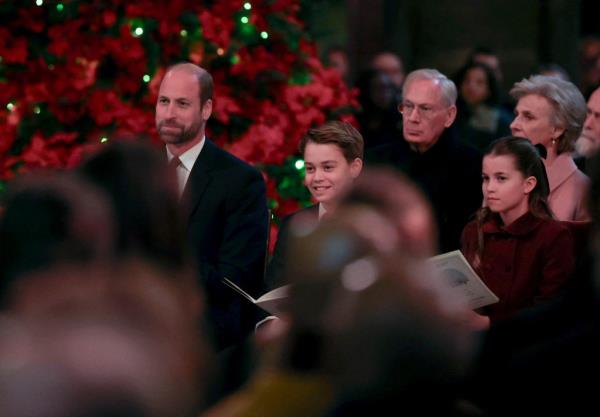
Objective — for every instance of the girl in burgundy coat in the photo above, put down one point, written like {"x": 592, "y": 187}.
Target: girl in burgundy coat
{"x": 522, "y": 254}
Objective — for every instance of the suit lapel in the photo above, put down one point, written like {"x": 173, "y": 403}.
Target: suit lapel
{"x": 199, "y": 178}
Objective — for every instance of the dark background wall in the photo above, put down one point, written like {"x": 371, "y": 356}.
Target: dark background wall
{"x": 440, "y": 33}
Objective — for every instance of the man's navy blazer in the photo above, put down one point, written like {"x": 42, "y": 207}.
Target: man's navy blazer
{"x": 227, "y": 222}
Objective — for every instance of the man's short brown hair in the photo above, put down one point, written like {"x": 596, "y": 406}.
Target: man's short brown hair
{"x": 205, "y": 80}
{"x": 342, "y": 134}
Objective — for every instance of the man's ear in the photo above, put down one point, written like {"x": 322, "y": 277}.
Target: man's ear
{"x": 450, "y": 116}
{"x": 356, "y": 167}
{"x": 207, "y": 109}
{"x": 530, "y": 184}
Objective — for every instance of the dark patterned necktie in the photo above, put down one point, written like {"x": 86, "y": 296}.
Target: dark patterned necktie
{"x": 174, "y": 162}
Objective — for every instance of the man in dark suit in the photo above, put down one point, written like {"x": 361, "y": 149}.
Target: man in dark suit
{"x": 225, "y": 199}
{"x": 448, "y": 172}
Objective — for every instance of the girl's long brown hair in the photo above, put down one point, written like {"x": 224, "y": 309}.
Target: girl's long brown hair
{"x": 527, "y": 161}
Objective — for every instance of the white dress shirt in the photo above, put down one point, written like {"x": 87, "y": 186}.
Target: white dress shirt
{"x": 188, "y": 159}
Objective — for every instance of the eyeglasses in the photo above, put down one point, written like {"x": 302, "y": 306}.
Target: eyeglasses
{"x": 425, "y": 111}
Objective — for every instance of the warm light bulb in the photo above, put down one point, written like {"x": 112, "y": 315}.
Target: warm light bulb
{"x": 299, "y": 164}
{"x": 146, "y": 78}
{"x": 138, "y": 32}
{"x": 264, "y": 35}
{"x": 244, "y": 19}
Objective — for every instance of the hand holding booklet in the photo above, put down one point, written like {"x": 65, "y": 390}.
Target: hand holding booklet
{"x": 460, "y": 277}
{"x": 270, "y": 302}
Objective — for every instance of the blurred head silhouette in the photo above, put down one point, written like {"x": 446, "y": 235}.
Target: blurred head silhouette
{"x": 51, "y": 218}
{"x": 100, "y": 342}
{"x": 143, "y": 191}
{"x": 368, "y": 315}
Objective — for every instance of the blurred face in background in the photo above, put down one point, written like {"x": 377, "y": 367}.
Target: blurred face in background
{"x": 329, "y": 175}
{"x": 474, "y": 88}
{"x": 338, "y": 60}
{"x": 392, "y": 65}
{"x": 382, "y": 91}
{"x": 491, "y": 61}
{"x": 591, "y": 127}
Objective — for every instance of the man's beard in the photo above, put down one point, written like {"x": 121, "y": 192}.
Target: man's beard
{"x": 586, "y": 146}
{"x": 185, "y": 136}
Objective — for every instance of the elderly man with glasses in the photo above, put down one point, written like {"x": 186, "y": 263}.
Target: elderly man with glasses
{"x": 448, "y": 172}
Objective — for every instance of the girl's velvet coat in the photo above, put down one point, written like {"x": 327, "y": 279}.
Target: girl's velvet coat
{"x": 524, "y": 263}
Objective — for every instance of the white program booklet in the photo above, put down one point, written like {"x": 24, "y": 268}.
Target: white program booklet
{"x": 270, "y": 302}
{"x": 460, "y": 277}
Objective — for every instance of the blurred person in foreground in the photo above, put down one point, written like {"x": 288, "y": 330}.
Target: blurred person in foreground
{"x": 101, "y": 341}
{"x": 402, "y": 203}
{"x": 51, "y": 219}
{"x": 142, "y": 191}
{"x": 364, "y": 325}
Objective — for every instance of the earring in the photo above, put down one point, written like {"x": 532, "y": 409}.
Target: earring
{"x": 553, "y": 142}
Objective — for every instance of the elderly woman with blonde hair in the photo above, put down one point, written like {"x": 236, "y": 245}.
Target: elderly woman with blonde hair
{"x": 551, "y": 112}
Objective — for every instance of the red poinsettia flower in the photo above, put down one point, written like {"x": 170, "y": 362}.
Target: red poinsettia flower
{"x": 104, "y": 106}
{"x": 9, "y": 91}
{"x": 109, "y": 18}
{"x": 216, "y": 29}
{"x": 32, "y": 18}
{"x": 62, "y": 138}
{"x": 7, "y": 134}
{"x": 8, "y": 166}
{"x": 134, "y": 120}
{"x": 13, "y": 50}
{"x": 41, "y": 154}
{"x": 168, "y": 10}
{"x": 224, "y": 104}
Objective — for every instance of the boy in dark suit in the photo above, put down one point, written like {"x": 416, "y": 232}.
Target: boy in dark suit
{"x": 333, "y": 159}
